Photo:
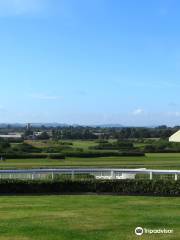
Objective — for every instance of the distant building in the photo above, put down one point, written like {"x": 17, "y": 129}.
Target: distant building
{"x": 39, "y": 135}
{"x": 33, "y": 136}
{"x": 28, "y": 126}
{"x": 11, "y": 136}
{"x": 175, "y": 137}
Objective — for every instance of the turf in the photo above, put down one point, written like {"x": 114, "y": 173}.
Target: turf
{"x": 85, "y": 144}
{"x": 153, "y": 161}
{"x": 86, "y": 217}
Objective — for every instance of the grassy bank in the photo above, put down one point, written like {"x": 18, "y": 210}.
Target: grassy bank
{"x": 153, "y": 160}
{"x": 86, "y": 217}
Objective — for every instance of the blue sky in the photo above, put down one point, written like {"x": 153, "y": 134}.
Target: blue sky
{"x": 90, "y": 61}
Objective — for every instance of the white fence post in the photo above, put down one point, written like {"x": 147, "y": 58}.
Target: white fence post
{"x": 176, "y": 176}
{"x": 151, "y": 176}
{"x": 72, "y": 175}
{"x": 32, "y": 176}
{"x": 112, "y": 174}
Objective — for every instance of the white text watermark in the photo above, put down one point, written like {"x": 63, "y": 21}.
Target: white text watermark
{"x": 139, "y": 231}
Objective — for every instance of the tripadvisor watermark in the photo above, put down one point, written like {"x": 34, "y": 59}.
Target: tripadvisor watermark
{"x": 139, "y": 231}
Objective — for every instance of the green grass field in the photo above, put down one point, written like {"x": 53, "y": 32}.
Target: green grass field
{"x": 86, "y": 217}
{"x": 85, "y": 144}
{"x": 154, "y": 161}
{"x": 150, "y": 161}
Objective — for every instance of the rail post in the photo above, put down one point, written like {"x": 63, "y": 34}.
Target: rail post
{"x": 32, "y": 176}
{"x": 176, "y": 176}
{"x": 52, "y": 176}
{"x": 112, "y": 174}
{"x": 72, "y": 175}
{"x": 150, "y": 176}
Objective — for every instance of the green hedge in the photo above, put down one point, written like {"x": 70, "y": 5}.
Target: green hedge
{"x": 132, "y": 154}
{"x": 162, "y": 146}
{"x": 22, "y": 155}
{"x": 56, "y": 156}
{"x": 78, "y": 154}
{"x": 119, "y": 145}
{"x": 120, "y": 187}
{"x": 94, "y": 154}
{"x": 32, "y": 155}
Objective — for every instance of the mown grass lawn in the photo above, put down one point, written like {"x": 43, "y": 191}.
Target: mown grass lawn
{"x": 86, "y": 217}
{"x": 150, "y": 161}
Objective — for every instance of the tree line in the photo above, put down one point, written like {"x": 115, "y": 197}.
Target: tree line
{"x": 93, "y": 133}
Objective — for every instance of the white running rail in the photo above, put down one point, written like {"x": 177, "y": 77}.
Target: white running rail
{"x": 98, "y": 173}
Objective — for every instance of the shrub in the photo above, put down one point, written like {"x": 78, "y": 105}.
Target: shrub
{"x": 65, "y": 143}
{"x": 118, "y": 145}
{"x": 57, "y": 149}
{"x": 22, "y": 155}
{"x": 25, "y": 148}
{"x": 120, "y": 187}
{"x": 94, "y": 154}
{"x": 162, "y": 146}
{"x": 56, "y": 156}
{"x": 101, "y": 141}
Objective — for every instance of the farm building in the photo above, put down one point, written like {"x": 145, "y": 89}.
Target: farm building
{"x": 175, "y": 137}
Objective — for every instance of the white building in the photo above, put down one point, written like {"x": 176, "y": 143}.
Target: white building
{"x": 11, "y": 136}
{"x": 175, "y": 137}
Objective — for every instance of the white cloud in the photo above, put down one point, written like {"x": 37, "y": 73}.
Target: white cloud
{"x": 21, "y": 7}
{"x": 138, "y": 111}
{"x": 45, "y": 97}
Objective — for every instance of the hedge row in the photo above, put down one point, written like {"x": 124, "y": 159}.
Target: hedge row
{"x": 32, "y": 155}
{"x": 132, "y": 154}
{"x": 120, "y": 187}
{"x": 92, "y": 154}
{"x": 114, "y": 146}
{"x": 56, "y": 156}
{"x": 162, "y": 146}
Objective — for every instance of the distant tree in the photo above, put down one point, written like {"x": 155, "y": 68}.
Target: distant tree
{"x": 43, "y": 136}
{"x": 25, "y": 148}
{"x": 28, "y": 132}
